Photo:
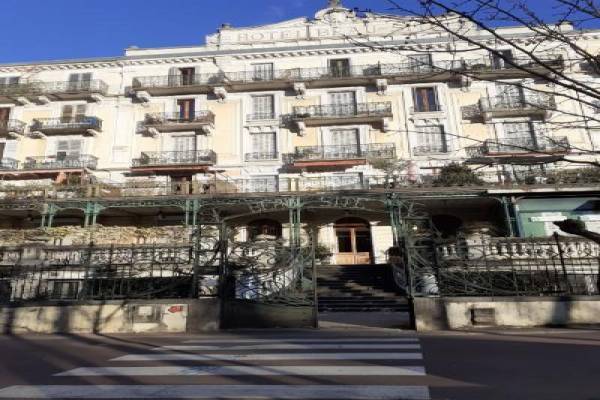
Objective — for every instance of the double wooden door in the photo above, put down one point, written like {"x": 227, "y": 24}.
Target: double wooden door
{"x": 354, "y": 244}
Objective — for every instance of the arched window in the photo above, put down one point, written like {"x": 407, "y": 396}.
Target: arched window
{"x": 264, "y": 229}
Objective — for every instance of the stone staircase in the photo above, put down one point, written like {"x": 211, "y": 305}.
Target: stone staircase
{"x": 358, "y": 288}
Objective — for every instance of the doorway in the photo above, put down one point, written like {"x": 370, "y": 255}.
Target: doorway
{"x": 354, "y": 244}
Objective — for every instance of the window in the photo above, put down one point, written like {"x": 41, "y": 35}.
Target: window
{"x": 184, "y": 144}
{"x": 343, "y": 103}
{"x": 265, "y": 144}
{"x": 71, "y": 114}
{"x": 263, "y": 107}
{"x": 339, "y": 67}
{"x": 9, "y": 80}
{"x": 187, "y": 76}
{"x": 430, "y": 139}
{"x": 2, "y": 145}
{"x": 64, "y": 290}
{"x": 419, "y": 62}
{"x": 345, "y": 143}
{"x": 499, "y": 59}
{"x": 68, "y": 149}
{"x": 518, "y": 136}
{"x": 186, "y": 109}
{"x": 80, "y": 81}
{"x": 4, "y": 116}
{"x": 426, "y": 100}
{"x": 509, "y": 95}
{"x": 263, "y": 72}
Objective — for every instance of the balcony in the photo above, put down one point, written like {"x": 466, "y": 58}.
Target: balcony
{"x": 520, "y": 148}
{"x": 434, "y": 148}
{"x": 335, "y": 157}
{"x": 485, "y": 68}
{"x": 262, "y": 156}
{"x": 19, "y": 93}
{"x": 81, "y": 125}
{"x": 339, "y": 114}
{"x": 203, "y": 121}
{"x": 515, "y": 106}
{"x": 8, "y": 164}
{"x": 319, "y": 77}
{"x": 82, "y": 161}
{"x": 12, "y": 128}
{"x": 269, "y": 116}
{"x": 92, "y": 90}
{"x": 169, "y": 162}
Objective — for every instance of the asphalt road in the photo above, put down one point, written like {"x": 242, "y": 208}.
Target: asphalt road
{"x": 327, "y": 364}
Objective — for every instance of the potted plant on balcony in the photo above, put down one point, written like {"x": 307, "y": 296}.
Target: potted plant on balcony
{"x": 455, "y": 174}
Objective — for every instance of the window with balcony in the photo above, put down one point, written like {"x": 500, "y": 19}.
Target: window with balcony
{"x": 426, "y": 99}
{"x": 419, "y": 62}
{"x": 263, "y": 107}
{"x": 64, "y": 290}
{"x": 510, "y": 95}
{"x": 342, "y": 103}
{"x": 339, "y": 68}
{"x": 80, "y": 81}
{"x": 68, "y": 149}
{"x": 264, "y": 146}
{"x": 186, "y": 109}
{"x": 4, "y": 116}
{"x": 430, "y": 139}
{"x": 262, "y": 72}
{"x": 500, "y": 57}
{"x": 517, "y": 136}
{"x": 345, "y": 143}
{"x": 72, "y": 113}
{"x": 182, "y": 76}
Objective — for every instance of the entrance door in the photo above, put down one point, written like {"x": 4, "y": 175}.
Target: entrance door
{"x": 354, "y": 244}
{"x": 4, "y": 117}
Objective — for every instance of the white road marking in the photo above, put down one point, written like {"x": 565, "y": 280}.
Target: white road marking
{"x": 270, "y": 357}
{"x": 283, "y": 392}
{"x": 313, "y": 370}
{"x": 292, "y": 340}
{"x": 285, "y": 346}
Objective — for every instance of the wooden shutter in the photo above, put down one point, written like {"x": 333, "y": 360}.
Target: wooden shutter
{"x": 67, "y": 114}
{"x": 4, "y": 114}
{"x": 2, "y": 145}
{"x": 262, "y": 107}
{"x": 80, "y": 112}
{"x": 265, "y": 143}
{"x": 174, "y": 77}
{"x": 187, "y": 76}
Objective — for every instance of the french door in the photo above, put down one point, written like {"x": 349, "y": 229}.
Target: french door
{"x": 345, "y": 143}
{"x": 354, "y": 243}
{"x": 184, "y": 149}
{"x": 343, "y": 103}
{"x": 186, "y": 109}
{"x": 4, "y": 117}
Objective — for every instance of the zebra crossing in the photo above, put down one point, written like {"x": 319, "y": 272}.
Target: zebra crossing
{"x": 361, "y": 368}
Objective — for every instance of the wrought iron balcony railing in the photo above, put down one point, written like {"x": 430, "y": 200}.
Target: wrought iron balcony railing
{"x": 21, "y": 89}
{"x": 379, "y": 109}
{"x": 525, "y": 144}
{"x": 198, "y": 117}
{"x": 348, "y": 152}
{"x": 166, "y": 158}
{"x": 82, "y": 123}
{"x": 61, "y": 162}
{"x": 297, "y": 74}
{"x": 262, "y": 156}
{"x": 12, "y": 125}
{"x": 261, "y": 116}
{"x": 434, "y": 148}
{"x": 91, "y": 86}
{"x": 8, "y": 164}
{"x": 486, "y": 63}
{"x": 539, "y": 101}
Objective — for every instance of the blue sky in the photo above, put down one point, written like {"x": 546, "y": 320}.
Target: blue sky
{"x": 34, "y": 30}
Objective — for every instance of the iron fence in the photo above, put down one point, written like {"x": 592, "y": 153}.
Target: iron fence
{"x": 193, "y": 157}
{"x": 373, "y": 109}
{"x": 205, "y": 116}
{"x": 85, "y": 86}
{"x": 61, "y": 162}
{"x": 9, "y": 164}
{"x": 540, "y": 101}
{"x": 520, "y": 144}
{"x": 505, "y": 267}
{"x": 262, "y": 156}
{"x": 71, "y": 123}
{"x": 12, "y": 125}
{"x": 343, "y": 152}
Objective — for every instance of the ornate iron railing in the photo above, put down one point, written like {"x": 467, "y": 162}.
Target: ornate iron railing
{"x": 434, "y": 148}
{"x": 61, "y": 162}
{"x": 86, "y": 86}
{"x": 12, "y": 125}
{"x": 506, "y": 267}
{"x": 198, "y": 117}
{"x": 21, "y": 89}
{"x": 297, "y": 74}
{"x": 524, "y": 144}
{"x": 375, "y": 109}
{"x": 193, "y": 157}
{"x": 539, "y": 101}
{"x": 486, "y": 63}
{"x": 74, "y": 123}
{"x": 8, "y": 164}
{"x": 347, "y": 152}
{"x": 262, "y": 156}
{"x": 261, "y": 116}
